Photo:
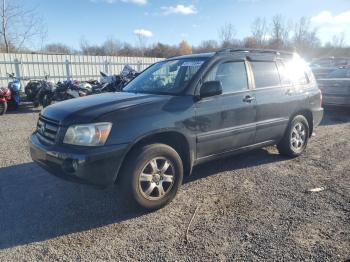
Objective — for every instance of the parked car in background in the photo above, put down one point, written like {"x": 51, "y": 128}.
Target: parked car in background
{"x": 323, "y": 66}
{"x": 336, "y": 87}
{"x": 176, "y": 114}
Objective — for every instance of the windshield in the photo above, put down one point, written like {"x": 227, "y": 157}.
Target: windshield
{"x": 166, "y": 77}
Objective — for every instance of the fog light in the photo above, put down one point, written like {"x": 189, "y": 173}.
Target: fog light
{"x": 70, "y": 165}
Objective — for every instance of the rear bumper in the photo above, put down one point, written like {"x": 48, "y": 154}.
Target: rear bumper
{"x": 317, "y": 115}
{"x": 336, "y": 100}
{"x": 96, "y": 166}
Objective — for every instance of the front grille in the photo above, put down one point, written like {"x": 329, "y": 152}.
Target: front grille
{"x": 47, "y": 129}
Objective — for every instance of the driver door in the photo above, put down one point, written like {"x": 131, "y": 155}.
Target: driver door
{"x": 226, "y": 122}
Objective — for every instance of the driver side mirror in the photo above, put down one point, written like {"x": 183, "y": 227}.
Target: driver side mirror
{"x": 211, "y": 88}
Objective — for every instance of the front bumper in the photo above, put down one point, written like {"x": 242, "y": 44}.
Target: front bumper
{"x": 98, "y": 166}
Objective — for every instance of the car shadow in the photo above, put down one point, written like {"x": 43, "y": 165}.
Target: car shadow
{"x": 36, "y": 206}
{"x": 235, "y": 162}
{"x": 24, "y": 107}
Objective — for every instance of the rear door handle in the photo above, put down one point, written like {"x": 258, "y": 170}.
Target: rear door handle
{"x": 248, "y": 99}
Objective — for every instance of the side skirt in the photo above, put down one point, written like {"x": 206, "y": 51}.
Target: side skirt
{"x": 233, "y": 152}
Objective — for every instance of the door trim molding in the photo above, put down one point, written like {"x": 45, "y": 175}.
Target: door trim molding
{"x": 221, "y": 133}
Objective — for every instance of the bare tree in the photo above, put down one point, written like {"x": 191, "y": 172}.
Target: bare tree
{"x": 111, "y": 47}
{"x": 207, "y": 46}
{"x": 57, "y": 48}
{"x": 162, "y": 50}
{"x": 18, "y": 26}
{"x": 305, "y": 37}
{"x": 142, "y": 36}
{"x": 338, "y": 40}
{"x": 88, "y": 49}
{"x": 251, "y": 42}
{"x": 259, "y": 31}
{"x": 141, "y": 42}
{"x": 227, "y": 34}
{"x": 279, "y": 32}
{"x": 185, "y": 48}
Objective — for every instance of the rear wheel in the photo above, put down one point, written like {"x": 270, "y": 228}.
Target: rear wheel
{"x": 3, "y": 107}
{"x": 296, "y": 137}
{"x": 152, "y": 175}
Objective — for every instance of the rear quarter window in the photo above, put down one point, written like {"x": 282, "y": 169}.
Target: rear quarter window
{"x": 299, "y": 72}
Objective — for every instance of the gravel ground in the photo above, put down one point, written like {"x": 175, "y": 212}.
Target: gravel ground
{"x": 251, "y": 207}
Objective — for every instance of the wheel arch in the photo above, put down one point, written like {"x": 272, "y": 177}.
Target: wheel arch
{"x": 178, "y": 141}
{"x": 309, "y": 117}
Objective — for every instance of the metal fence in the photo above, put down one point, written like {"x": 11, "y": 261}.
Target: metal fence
{"x": 61, "y": 67}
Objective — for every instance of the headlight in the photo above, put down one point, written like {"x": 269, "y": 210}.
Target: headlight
{"x": 88, "y": 135}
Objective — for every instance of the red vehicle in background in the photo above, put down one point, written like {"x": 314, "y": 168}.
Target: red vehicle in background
{"x": 5, "y": 97}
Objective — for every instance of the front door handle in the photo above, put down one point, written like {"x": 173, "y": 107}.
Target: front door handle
{"x": 248, "y": 99}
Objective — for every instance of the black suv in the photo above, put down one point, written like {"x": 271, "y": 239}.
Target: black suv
{"x": 176, "y": 114}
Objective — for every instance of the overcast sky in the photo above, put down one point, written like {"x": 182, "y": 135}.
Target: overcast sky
{"x": 170, "y": 21}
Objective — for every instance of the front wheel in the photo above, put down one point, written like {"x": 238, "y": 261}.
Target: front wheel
{"x": 3, "y": 107}
{"x": 296, "y": 137}
{"x": 152, "y": 175}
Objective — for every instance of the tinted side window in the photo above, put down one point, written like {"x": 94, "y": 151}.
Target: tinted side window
{"x": 265, "y": 74}
{"x": 233, "y": 76}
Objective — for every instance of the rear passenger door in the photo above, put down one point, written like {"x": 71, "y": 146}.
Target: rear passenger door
{"x": 227, "y": 121}
{"x": 274, "y": 98}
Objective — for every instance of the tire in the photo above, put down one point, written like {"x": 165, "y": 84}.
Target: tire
{"x": 141, "y": 183}
{"x": 3, "y": 108}
{"x": 46, "y": 101}
{"x": 295, "y": 138}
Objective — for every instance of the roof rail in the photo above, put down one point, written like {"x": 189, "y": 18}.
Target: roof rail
{"x": 249, "y": 50}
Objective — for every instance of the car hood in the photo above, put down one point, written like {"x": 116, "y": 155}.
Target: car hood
{"x": 86, "y": 109}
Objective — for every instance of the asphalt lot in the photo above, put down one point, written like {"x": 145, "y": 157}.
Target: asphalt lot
{"x": 256, "y": 206}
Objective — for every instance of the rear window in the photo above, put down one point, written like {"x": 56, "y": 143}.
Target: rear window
{"x": 265, "y": 74}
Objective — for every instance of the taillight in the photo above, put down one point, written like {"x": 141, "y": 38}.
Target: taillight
{"x": 321, "y": 98}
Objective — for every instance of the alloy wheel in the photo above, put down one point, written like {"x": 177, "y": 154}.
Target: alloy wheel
{"x": 298, "y": 136}
{"x": 157, "y": 178}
